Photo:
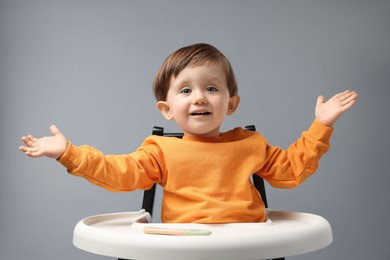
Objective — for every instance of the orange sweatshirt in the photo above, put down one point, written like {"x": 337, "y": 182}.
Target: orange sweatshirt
{"x": 205, "y": 180}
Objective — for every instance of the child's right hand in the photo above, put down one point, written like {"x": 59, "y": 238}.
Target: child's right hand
{"x": 51, "y": 146}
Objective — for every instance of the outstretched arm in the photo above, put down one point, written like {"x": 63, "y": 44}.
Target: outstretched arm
{"x": 328, "y": 112}
{"x": 51, "y": 146}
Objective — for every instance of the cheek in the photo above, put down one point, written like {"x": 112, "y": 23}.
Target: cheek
{"x": 179, "y": 106}
{"x": 224, "y": 105}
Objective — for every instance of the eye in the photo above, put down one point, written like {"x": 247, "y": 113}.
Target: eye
{"x": 211, "y": 89}
{"x": 185, "y": 90}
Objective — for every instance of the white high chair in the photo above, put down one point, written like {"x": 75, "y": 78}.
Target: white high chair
{"x": 121, "y": 235}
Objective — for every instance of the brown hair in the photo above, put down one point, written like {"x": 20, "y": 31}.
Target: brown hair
{"x": 192, "y": 55}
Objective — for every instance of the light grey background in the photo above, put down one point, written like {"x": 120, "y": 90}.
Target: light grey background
{"x": 88, "y": 66}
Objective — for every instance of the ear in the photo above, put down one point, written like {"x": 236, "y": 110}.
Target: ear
{"x": 234, "y": 101}
{"x": 164, "y": 109}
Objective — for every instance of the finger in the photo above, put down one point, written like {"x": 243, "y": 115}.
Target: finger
{"x": 350, "y": 98}
{"x": 320, "y": 100}
{"x": 345, "y": 92}
{"x": 353, "y": 95}
{"x": 32, "y": 138}
{"x": 32, "y": 152}
{"x": 347, "y": 95}
{"x": 54, "y": 130}
{"x": 348, "y": 105}
{"x": 28, "y": 140}
{"x": 25, "y": 140}
{"x": 23, "y": 148}
{"x": 341, "y": 95}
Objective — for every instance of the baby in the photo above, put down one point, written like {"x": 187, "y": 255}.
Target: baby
{"x": 205, "y": 175}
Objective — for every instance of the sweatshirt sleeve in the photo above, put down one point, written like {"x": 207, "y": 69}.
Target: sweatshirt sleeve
{"x": 138, "y": 170}
{"x": 289, "y": 168}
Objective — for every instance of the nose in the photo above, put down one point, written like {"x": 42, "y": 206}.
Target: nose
{"x": 199, "y": 98}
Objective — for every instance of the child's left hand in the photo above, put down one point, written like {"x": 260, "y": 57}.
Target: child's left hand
{"x": 328, "y": 112}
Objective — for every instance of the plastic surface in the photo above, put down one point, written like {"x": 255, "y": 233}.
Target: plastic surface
{"x": 119, "y": 235}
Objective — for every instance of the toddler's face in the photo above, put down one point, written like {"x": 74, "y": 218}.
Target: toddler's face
{"x": 198, "y": 99}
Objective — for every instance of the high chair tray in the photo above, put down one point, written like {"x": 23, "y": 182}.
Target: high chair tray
{"x": 121, "y": 235}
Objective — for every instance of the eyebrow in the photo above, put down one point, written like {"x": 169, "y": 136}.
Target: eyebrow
{"x": 212, "y": 78}
{"x": 216, "y": 80}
